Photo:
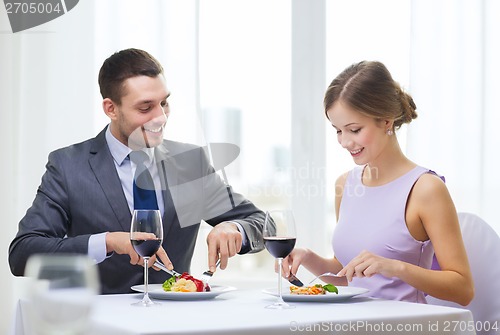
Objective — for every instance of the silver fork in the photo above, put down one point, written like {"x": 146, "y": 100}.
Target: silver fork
{"x": 205, "y": 276}
{"x": 326, "y": 274}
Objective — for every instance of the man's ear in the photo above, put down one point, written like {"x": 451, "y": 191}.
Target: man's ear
{"x": 110, "y": 108}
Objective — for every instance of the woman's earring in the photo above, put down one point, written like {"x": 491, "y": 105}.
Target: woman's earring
{"x": 390, "y": 132}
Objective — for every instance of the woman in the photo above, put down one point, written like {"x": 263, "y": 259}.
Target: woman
{"x": 392, "y": 215}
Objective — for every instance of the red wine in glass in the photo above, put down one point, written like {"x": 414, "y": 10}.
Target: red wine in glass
{"x": 146, "y": 236}
{"x": 146, "y": 248}
{"x": 279, "y": 238}
{"x": 279, "y": 247}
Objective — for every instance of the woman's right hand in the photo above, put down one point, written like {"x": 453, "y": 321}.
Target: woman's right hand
{"x": 293, "y": 261}
{"x": 313, "y": 263}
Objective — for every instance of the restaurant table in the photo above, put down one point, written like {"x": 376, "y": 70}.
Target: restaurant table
{"x": 244, "y": 312}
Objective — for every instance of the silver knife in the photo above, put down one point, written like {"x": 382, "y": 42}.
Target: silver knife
{"x": 160, "y": 265}
{"x": 294, "y": 280}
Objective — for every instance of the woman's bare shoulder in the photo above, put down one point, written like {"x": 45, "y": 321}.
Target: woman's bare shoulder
{"x": 430, "y": 192}
{"x": 429, "y": 183}
{"x": 340, "y": 182}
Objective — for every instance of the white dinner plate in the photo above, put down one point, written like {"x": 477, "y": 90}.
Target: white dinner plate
{"x": 156, "y": 291}
{"x": 345, "y": 292}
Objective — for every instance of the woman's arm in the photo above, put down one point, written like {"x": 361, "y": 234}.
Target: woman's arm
{"x": 431, "y": 201}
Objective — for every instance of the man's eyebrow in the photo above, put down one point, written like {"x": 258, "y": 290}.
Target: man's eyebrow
{"x": 143, "y": 102}
{"x": 140, "y": 102}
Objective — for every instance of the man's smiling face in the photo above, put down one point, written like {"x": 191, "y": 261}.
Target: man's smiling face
{"x": 139, "y": 119}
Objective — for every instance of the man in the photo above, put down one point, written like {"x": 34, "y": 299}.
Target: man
{"x": 85, "y": 200}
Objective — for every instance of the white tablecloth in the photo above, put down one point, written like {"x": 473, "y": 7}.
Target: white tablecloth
{"x": 243, "y": 312}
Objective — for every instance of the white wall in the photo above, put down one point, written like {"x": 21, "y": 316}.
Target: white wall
{"x": 47, "y": 86}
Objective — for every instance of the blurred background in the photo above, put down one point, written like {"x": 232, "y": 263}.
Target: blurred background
{"x": 253, "y": 73}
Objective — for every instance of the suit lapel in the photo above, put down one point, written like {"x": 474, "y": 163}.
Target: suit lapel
{"x": 104, "y": 169}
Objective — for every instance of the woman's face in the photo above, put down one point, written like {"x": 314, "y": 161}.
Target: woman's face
{"x": 364, "y": 137}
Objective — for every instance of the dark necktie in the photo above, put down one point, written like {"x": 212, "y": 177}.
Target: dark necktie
{"x": 144, "y": 188}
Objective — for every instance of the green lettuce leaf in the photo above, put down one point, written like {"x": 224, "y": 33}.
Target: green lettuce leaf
{"x": 331, "y": 288}
{"x": 167, "y": 285}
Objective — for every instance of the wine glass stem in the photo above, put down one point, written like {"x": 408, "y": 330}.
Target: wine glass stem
{"x": 280, "y": 260}
{"x": 146, "y": 280}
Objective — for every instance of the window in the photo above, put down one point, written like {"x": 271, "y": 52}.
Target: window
{"x": 363, "y": 30}
{"x": 244, "y": 87}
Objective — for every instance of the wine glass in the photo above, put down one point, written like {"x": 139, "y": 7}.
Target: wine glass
{"x": 61, "y": 291}
{"x": 279, "y": 238}
{"x": 146, "y": 236}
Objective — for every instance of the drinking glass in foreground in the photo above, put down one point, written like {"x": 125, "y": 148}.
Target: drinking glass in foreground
{"x": 279, "y": 239}
{"x": 61, "y": 293}
{"x": 146, "y": 236}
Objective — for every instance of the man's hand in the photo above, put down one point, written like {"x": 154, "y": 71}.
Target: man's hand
{"x": 119, "y": 242}
{"x": 223, "y": 241}
{"x": 162, "y": 255}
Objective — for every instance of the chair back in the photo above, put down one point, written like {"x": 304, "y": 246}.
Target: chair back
{"x": 482, "y": 244}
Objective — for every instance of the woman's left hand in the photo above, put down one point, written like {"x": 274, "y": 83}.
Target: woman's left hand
{"x": 367, "y": 264}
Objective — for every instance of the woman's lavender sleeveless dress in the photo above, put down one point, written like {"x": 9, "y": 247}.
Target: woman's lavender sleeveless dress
{"x": 373, "y": 219}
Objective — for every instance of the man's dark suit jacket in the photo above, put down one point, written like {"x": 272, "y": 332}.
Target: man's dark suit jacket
{"x": 81, "y": 194}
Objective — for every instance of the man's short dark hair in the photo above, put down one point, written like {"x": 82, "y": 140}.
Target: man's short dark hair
{"x": 123, "y": 65}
